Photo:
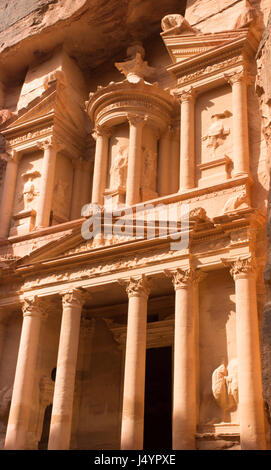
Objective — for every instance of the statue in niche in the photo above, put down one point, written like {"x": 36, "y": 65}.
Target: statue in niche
{"x": 225, "y": 386}
{"x": 118, "y": 170}
{"x": 216, "y": 133}
{"x": 149, "y": 168}
{"x": 29, "y": 192}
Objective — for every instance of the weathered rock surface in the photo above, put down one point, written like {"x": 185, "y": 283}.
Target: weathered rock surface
{"x": 91, "y": 30}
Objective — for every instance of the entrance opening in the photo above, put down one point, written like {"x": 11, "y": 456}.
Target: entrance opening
{"x": 158, "y": 399}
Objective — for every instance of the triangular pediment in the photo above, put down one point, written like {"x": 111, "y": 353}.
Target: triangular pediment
{"x": 40, "y": 107}
{"x": 70, "y": 244}
{"x": 182, "y": 47}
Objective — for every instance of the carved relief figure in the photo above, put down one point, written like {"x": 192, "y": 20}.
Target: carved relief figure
{"x": 118, "y": 170}
{"x": 149, "y": 169}
{"x": 29, "y": 192}
{"x": 236, "y": 201}
{"x": 225, "y": 386}
{"x": 216, "y": 132}
{"x": 60, "y": 191}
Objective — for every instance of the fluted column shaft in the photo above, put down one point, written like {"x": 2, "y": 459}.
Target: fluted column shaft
{"x": 8, "y": 194}
{"x": 184, "y": 390}
{"x": 238, "y": 82}
{"x": 24, "y": 376}
{"x": 100, "y": 165}
{"x": 187, "y": 142}
{"x": 134, "y": 160}
{"x": 132, "y": 429}
{"x": 251, "y": 408}
{"x": 47, "y": 183}
{"x": 61, "y": 421}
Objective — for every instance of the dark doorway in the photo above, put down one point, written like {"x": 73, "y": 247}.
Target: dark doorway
{"x": 158, "y": 393}
{"x": 43, "y": 443}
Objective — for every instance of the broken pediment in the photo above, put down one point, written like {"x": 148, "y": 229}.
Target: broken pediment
{"x": 40, "y": 107}
{"x": 187, "y": 45}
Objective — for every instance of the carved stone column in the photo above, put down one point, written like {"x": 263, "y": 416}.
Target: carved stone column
{"x": 61, "y": 421}
{"x": 47, "y": 183}
{"x": 251, "y": 408}
{"x": 164, "y": 162}
{"x": 185, "y": 390}
{"x": 8, "y": 192}
{"x": 187, "y": 149}
{"x": 132, "y": 428}
{"x": 101, "y": 135}
{"x": 77, "y": 188}
{"x": 21, "y": 402}
{"x": 238, "y": 81}
{"x": 134, "y": 160}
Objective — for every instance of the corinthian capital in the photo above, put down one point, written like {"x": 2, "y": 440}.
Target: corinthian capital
{"x": 73, "y": 298}
{"x": 136, "y": 119}
{"x": 183, "y": 278}
{"x": 137, "y": 286}
{"x": 186, "y": 95}
{"x": 33, "y": 307}
{"x": 239, "y": 76}
{"x": 46, "y": 143}
{"x": 241, "y": 268}
{"x": 100, "y": 131}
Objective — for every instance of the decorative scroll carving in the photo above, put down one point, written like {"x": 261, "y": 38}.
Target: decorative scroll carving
{"x": 137, "y": 286}
{"x": 135, "y": 68}
{"x": 31, "y": 135}
{"x": 118, "y": 170}
{"x": 225, "y": 385}
{"x": 216, "y": 132}
{"x": 223, "y": 64}
{"x": 74, "y": 298}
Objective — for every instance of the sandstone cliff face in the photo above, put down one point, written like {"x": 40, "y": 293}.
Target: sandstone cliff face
{"x": 264, "y": 92}
{"x": 108, "y": 25}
